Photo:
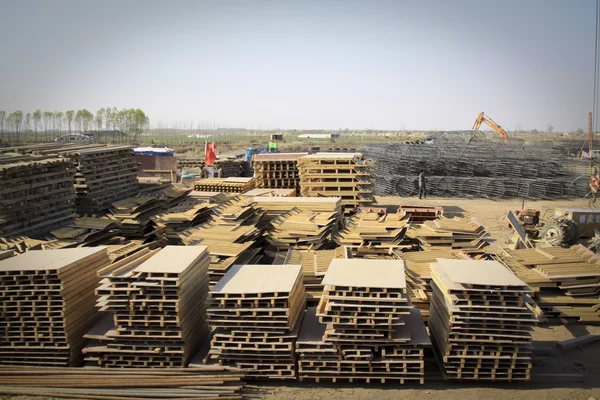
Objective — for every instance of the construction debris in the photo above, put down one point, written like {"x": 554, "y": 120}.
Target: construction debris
{"x": 205, "y": 382}
{"x": 225, "y": 185}
{"x": 37, "y": 194}
{"x": 344, "y": 175}
{"x": 364, "y": 328}
{"x": 48, "y": 303}
{"x": 565, "y": 282}
{"x": 480, "y": 321}
{"x": 155, "y": 309}
{"x": 256, "y": 311}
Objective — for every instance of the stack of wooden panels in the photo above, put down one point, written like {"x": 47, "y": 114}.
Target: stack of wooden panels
{"x": 480, "y": 321}
{"x": 205, "y": 382}
{"x": 277, "y": 170}
{"x": 21, "y": 244}
{"x": 314, "y": 266}
{"x": 105, "y": 174}
{"x": 225, "y": 185}
{"x": 374, "y": 234}
{"x": 420, "y": 213}
{"x": 275, "y": 206}
{"x": 134, "y": 214}
{"x": 306, "y": 230}
{"x": 155, "y": 304}
{"x": 364, "y": 328}
{"x": 36, "y": 194}
{"x": 345, "y": 175}
{"x": 85, "y": 231}
{"x": 566, "y": 282}
{"x": 256, "y": 311}
{"x": 211, "y": 197}
{"x": 47, "y": 304}
{"x": 453, "y": 233}
{"x": 271, "y": 193}
{"x": 230, "y": 235}
{"x": 183, "y": 216}
{"x": 418, "y": 274}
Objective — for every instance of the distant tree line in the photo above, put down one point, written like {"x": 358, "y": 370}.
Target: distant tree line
{"x": 47, "y": 125}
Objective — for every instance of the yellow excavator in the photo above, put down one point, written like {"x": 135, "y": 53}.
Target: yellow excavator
{"x": 490, "y": 122}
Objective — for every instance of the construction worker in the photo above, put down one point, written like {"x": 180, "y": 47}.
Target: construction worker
{"x": 594, "y": 185}
{"x": 422, "y": 185}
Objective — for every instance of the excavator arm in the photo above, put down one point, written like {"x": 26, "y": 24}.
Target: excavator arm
{"x": 481, "y": 118}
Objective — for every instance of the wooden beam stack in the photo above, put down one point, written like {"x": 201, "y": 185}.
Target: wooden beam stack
{"x": 364, "y": 328}
{"x": 306, "y": 230}
{"x": 185, "y": 215}
{"x": 277, "y": 170}
{"x": 256, "y": 311}
{"x": 374, "y": 234}
{"x": 452, "y": 233}
{"x": 36, "y": 194}
{"x": 47, "y": 304}
{"x": 565, "y": 282}
{"x": 224, "y": 185}
{"x": 105, "y": 174}
{"x": 155, "y": 304}
{"x": 418, "y": 274}
{"x": 345, "y": 175}
{"x": 314, "y": 266}
{"x": 480, "y": 322}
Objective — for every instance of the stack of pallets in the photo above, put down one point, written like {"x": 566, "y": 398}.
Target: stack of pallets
{"x": 47, "y": 304}
{"x": 418, "y": 274}
{"x": 36, "y": 194}
{"x": 155, "y": 304}
{"x": 345, "y": 175}
{"x": 305, "y": 230}
{"x": 256, "y": 311}
{"x": 230, "y": 235}
{"x": 105, "y": 174}
{"x": 225, "y": 185}
{"x": 314, "y": 266}
{"x": 275, "y": 206}
{"x": 453, "y": 233}
{"x": 565, "y": 282}
{"x": 374, "y": 234}
{"x": 210, "y": 197}
{"x": 85, "y": 231}
{"x": 134, "y": 214}
{"x": 480, "y": 322}
{"x": 271, "y": 193}
{"x": 183, "y": 216}
{"x": 364, "y": 328}
{"x": 278, "y": 170}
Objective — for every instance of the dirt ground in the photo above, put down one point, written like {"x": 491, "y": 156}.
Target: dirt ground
{"x": 578, "y": 369}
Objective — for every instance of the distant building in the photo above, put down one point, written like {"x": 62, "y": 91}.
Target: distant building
{"x": 74, "y": 137}
{"x": 319, "y": 136}
{"x": 153, "y": 151}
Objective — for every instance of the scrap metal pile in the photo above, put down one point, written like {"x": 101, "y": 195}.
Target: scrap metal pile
{"x": 488, "y": 170}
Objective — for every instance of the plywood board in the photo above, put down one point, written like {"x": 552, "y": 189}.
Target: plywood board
{"x": 48, "y": 260}
{"x": 479, "y": 272}
{"x": 258, "y": 279}
{"x": 173, "y": 259}
{"x": 386, "y": 274}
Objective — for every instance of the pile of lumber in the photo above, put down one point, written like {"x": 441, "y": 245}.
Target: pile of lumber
{"x": 370, "y": 233}
{"x": 277, "y": 170}
{"x": 275, "y": 206}
{"x": 134, "y": 214}
{"x": 364, "y": 328}
{"x": 314, "y": 266}
{"x": 420, "y": 213}
{"x": 453, "y": 233}
{"x": 85, "y": 231}
{"x": 305, "y": 230}
{"x": 206, "y": 382}
{"x": 256, "y": 311}
{"x": 345, "y": 175}
{"x": 418, "y": 274}
{"x": 230, "y": 235}
{"x": 565, "y": 281}
{"x": 271, "y": 193}
{"x": 224, "y": 185}
{"x": 185, "y": 215}
{"x": 36, "y": 194}
{"x": 21, "y": 244}
{"x": 480, "y": 322}
{"x": 190, "y": 163}
{"x": 47, "y": 304}
{"x": 105, "y": 174}
{"x": 155, "y": 309}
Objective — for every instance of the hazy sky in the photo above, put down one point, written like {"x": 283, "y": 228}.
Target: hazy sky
{"x": 305, "y": 64}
